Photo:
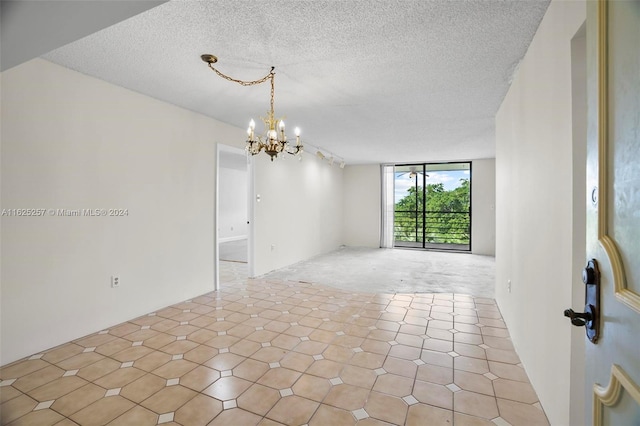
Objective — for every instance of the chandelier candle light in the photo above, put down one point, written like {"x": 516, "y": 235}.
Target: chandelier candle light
{"x": 275, "y": 140}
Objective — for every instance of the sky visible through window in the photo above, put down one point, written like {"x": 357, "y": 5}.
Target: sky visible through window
{"x": 449, "y": 178}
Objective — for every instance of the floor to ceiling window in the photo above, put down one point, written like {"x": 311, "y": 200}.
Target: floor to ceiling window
{"x": 432, "y": 206}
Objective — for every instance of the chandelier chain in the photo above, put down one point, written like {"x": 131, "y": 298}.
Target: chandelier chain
{"x": 273, "y": 90}
{"x": 245, "y": 83}
{"x": 270, "y": 76}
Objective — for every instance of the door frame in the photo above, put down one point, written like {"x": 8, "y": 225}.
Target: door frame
{"x": 579, "y": 113}
{"x": 250, "y": 211}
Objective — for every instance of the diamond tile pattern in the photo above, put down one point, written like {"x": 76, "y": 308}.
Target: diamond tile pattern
{"x": 282, "y": 352}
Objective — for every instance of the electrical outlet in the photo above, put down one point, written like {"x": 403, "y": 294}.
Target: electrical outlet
{"x": 115, "y": 281}
{"x": 273, "y": 247}
{"x": 509, "y": 286}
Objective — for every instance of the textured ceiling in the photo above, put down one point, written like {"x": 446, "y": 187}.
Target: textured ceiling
{"x": 370, "y": 81}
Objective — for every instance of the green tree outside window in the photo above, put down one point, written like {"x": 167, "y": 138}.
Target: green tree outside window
{"x": 446, "y": 214}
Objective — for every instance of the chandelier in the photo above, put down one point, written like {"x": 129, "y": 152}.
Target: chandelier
{"x": 274, "y": 139}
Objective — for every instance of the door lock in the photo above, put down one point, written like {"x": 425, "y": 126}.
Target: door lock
{"x": 590, "y": 318}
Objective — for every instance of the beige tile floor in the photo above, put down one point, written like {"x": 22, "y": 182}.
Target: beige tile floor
{"x": 272, "y": 352}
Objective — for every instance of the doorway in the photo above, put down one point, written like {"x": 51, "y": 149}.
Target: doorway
{"x": 233, "y": 227}
{"x": 432, "y": 206}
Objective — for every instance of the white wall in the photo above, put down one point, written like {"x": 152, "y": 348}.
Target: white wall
{"x": 299, "y": 214}
{"x": 362, "y": 205}
{"x": 70, "y": 141}
{"x": 233, "y": 210}
{"x": 483, "y": 201}
{"x": 534, "y": 205}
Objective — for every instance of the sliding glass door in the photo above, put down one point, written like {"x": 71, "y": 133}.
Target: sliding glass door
{"x": 433, "y": 206}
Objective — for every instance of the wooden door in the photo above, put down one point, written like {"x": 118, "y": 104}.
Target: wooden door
{"x": 613, "y": 214}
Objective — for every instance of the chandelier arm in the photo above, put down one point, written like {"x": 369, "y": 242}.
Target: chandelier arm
{"x": 242, "y": 82}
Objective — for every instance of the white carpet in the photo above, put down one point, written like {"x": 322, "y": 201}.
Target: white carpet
{"x": 397, "y": 271}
